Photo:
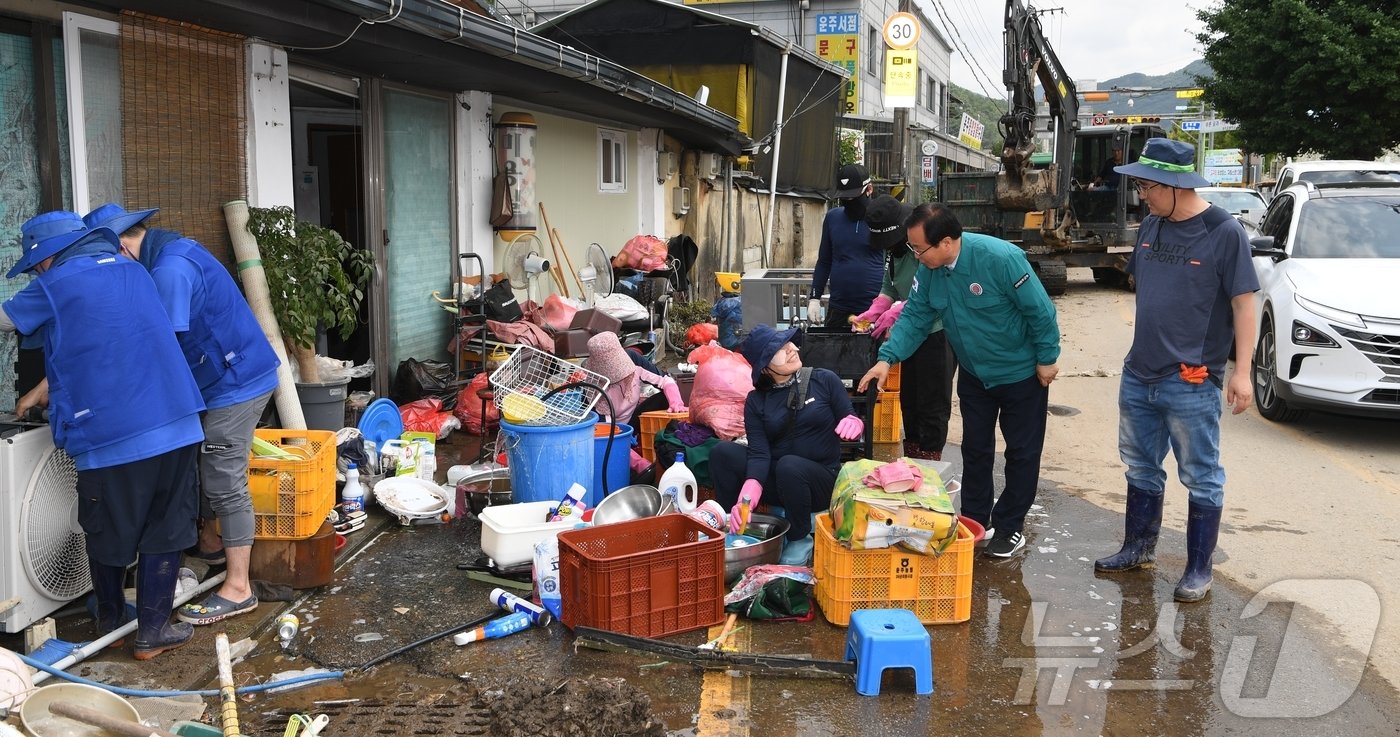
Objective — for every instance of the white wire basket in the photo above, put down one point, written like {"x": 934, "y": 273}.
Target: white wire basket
{"x": 525, "y": 389}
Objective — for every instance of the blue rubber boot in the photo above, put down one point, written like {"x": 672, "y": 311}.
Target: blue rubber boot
{"x": 156, "y": 575}
{"x": 109, "y": 589}
{"x": 1202, "y": 531}
{"x": 1142, "y": 521}
{"x": 799, "y": 552}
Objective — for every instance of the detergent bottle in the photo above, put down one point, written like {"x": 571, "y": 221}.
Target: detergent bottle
{"x": 679, "y": 484}
{"x": 354, "y": 493}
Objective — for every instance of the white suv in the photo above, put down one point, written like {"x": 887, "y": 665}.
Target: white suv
{"x": 1328, "y": 260}
{"x": 1337, "y": 171}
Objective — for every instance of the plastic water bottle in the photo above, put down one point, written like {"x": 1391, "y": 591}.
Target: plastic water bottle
{"x": 680, "y": 484}
{"x": 353, "y": 494}
{"x": 427, "y": 461}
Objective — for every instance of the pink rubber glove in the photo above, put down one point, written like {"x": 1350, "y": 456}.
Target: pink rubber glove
{"x": 877, "y": 308}
{"x": 749, "y": 494}
{"x": 673, "y": 395}
{"x": 850, "y": 428}
{"x": 886, "y": 320}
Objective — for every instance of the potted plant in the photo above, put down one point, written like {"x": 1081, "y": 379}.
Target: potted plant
{"x": 315, "y": 279}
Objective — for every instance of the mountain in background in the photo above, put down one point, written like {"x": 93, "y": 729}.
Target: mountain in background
{"x": 988, "y": 110}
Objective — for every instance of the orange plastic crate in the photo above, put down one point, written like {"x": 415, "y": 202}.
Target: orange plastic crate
{"x": 653, "y": 423}
{"x": 892, "y": 379}
{"x": 937, "y": 589}
{"x": 889, "y": 419}
{"x": 649, "y": 577}
{"x": 292, "y": 498}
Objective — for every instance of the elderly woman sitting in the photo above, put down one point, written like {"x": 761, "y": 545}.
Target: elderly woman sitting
{"x": 794, "y": 429}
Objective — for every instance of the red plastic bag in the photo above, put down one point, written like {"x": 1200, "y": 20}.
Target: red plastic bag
{"x": 427, "y": 415}
{"x": 469, "y": 406}
{"x": 643, "y": 253}
{"x": 555, "y": 314}
{"x": 710, "y": 350}
{"x": 701, "y": 333}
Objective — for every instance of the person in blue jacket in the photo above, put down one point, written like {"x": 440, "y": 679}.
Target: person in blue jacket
{"x": 236, "y": 370}
{"x": 1004, "y": 334}
{"x": 846, "y": 256}
{"x": 123, "y": 404}
{"x": 794, "y": 441}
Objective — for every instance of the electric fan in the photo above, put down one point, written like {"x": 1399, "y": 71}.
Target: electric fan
{"x": 523, "y": 263}
{"x": 596, "y": 276}
{"x": 43, "y": 561}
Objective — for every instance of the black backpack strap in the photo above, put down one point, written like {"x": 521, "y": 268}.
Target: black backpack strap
{"x": 1215, "y": 216}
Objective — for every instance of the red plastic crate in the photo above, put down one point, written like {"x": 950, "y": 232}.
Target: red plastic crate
{"x": 649, "y": 577}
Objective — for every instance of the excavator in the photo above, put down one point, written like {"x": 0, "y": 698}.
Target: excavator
{"x": 1050, "y": 196}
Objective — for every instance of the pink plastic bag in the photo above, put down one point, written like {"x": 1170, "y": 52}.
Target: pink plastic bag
{"x": 643, "y": 253}
{"x": 717, "y": 398}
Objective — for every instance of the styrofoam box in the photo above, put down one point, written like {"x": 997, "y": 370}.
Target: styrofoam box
{"x": 509, "y": 531}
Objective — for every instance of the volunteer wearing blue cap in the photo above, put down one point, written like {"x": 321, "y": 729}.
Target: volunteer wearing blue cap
{"x": 236, "y": 370}
{"x": 123, "y": 405}
{"x": 794, "y": 428}
{"x": 1195, "y": 309}
{"x": 1001, "y": 325}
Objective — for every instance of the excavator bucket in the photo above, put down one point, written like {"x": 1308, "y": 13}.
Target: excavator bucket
{"x": 1034, "y": 190}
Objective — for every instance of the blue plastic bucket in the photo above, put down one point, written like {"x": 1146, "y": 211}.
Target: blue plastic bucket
{"x": 546, "y": 460}
{"x": 619, "y": 469}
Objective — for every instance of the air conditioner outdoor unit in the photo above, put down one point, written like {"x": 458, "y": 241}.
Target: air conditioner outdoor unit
{"x": 43, "y": 559}
{"x": 709, "y": 166}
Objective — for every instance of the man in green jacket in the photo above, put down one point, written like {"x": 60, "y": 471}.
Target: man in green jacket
{"x": 1001, "y": 325}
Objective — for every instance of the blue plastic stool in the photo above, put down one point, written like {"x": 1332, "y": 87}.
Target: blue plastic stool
{"x": 889, "y": 638}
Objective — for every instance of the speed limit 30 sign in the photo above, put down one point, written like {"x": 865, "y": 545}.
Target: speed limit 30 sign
{"x": 902, "y": 31}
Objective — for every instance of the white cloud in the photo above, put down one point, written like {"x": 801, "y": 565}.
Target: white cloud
{"x": 1094, "y": 39}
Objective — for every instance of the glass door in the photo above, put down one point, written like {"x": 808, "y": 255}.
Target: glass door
{"x": 415, "y": 224}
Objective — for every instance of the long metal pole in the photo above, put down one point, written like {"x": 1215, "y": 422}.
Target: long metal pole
{"x": 777, "y": 151}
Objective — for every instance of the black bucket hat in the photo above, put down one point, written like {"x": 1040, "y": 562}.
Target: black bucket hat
{"x": 886, "y": 217}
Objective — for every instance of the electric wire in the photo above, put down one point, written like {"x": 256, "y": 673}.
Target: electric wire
{"x": 391, "y": 16}
{"x": 987, "y": 48}
{"x": 961, "y": 46}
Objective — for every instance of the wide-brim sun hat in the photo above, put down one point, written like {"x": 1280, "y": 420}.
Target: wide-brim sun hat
{"x": 49, "y": 234}
{"x": 763, "y": 343}
{"x": 607, "y": 357}
{"x": 116, "y": 218}
{"x": 886, "y": 217}
{"x": 1168, "y": 162}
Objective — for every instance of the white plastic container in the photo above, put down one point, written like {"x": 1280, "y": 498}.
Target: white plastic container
{"x": 509, "y": 531}
{"x": 680, "y": 484}
{"x": 353, "y": 494}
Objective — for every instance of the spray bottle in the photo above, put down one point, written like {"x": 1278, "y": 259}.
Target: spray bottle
{"x": 512, "y": 603}
{"x": 496, "y": 628}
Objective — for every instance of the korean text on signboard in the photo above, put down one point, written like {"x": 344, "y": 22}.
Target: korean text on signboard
{"x": 838, "y": 41}
{"x": 970, "y": 132}
{"x": 901, "y": 78}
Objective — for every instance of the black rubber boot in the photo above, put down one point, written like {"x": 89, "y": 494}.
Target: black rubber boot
{"x": 1202, "y": 530}
{"x": 155, "y": 597}
{"x": 109, "y": 587}
{"x": 1142, "y": 521}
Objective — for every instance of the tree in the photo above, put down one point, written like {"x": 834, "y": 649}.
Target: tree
{"x": 1306, "y": 75}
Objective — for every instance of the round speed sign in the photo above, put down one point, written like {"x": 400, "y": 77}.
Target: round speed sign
{"x": 902, "y": 31}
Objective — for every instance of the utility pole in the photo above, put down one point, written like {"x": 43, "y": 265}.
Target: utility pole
{"x": 901, "y": 130}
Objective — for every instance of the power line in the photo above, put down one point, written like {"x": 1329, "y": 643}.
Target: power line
{"x": 961, "y": 46}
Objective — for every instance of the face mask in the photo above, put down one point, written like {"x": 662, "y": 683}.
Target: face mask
{"x": 855, "y": 207}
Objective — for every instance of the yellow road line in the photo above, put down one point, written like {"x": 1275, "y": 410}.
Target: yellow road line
{"x": 724, "y": 698}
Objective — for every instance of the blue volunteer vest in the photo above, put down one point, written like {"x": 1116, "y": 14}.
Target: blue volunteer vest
{"x": 224, "y": 346}
{"x": 114, "y": 367}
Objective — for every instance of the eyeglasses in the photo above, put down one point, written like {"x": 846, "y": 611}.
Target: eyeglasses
{"x": 916, "y": 251}
{"x": 1142, "y": 185}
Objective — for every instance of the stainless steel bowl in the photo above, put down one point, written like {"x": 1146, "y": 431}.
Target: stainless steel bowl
{"x": 629, "y": 502}
{"x": 770, "y": 531}
{"x": 485, "y": 489}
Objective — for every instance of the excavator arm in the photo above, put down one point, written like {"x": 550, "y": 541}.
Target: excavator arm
{"x": 1029, "y": 59}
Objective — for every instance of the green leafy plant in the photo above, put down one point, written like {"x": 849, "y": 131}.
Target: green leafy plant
{"x": 316, "y": 280}
{"x": 682, "y": 315}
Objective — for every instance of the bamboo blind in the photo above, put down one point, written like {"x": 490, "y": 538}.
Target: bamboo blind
{"x": 184, "y": 118}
